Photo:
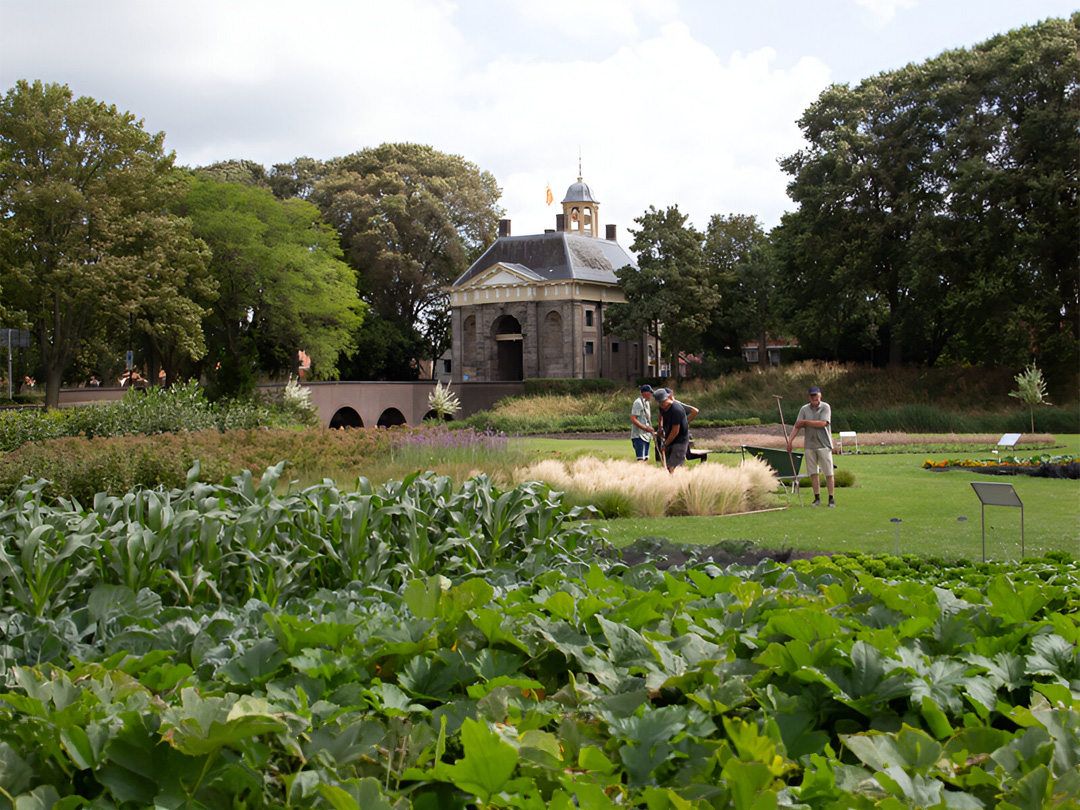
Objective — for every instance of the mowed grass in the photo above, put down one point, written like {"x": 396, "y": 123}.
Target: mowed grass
{"x": 929, "y": 504}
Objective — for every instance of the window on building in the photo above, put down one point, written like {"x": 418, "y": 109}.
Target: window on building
{"x": 588, "y": 347}
{"x": 588, "y": 317}
{"x": 614, "y": 348}
{"x": 446, "y": 366}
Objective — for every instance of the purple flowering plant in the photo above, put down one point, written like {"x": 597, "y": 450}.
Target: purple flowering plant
{"x": 438, "y": 443}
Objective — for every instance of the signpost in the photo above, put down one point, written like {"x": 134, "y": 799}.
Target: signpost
{"x": 13, "y": 338}
{"x": 994, "y": 494}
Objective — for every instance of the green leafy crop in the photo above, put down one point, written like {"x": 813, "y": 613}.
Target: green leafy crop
{"x": 425, "y": 646}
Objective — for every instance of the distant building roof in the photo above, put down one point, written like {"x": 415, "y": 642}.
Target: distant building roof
{"x": 558, "y": 256}
{"x": 580, "y": 192}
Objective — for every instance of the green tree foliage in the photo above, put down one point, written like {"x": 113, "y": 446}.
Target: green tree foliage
{"x": 296, "y": 179}
{"x": 938, "y": 204}
{"x": 756, "y": 298}
{"x": 387, "y": 351}
{"x": 241, "y": 172}
{"x": 85, "y": 235}
{"x": 282, "y": 284}
{"x": 411, "y": 220}
{"x": 729, "y": 241}
{"x": 670, "y": 295}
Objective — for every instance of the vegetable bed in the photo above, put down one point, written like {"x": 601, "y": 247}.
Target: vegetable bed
{"x": 420, "y": 645}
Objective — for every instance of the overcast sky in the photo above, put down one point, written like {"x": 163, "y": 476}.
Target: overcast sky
{"x": 668, "y": 102}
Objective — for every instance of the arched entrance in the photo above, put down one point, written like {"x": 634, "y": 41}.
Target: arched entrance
{"x": 345, "y": 418}
{"x": 391, "y": 417}
{"x": 508, "y": 339}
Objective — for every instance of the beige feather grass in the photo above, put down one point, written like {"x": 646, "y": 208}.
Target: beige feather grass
{"x": 704, "y": 489}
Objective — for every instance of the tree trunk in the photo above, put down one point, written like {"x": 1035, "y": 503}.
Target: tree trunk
{"x": 53, "y": 377}
{"x": 895, "y": 354}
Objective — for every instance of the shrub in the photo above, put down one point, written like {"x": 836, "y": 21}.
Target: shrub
{"x": 80, "y": 467}
{"x": 569, "y": 387}
{"x": 906, "y": 399}
{"x": 181, "y": 408}
{"x": 842, "y": 477}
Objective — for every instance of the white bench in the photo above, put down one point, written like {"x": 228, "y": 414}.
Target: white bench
{"x": 849, "y": 434}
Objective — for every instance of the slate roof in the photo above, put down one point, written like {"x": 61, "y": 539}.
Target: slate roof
{"x": 579, "y": 192}
{"x": 559, "y": 256}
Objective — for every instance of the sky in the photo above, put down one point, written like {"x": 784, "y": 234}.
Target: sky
{"x": 659, "y": 102}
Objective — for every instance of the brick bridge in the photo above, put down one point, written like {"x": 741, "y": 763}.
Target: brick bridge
{"x": 359, "y": 404}
{"x": 385, "y": 404}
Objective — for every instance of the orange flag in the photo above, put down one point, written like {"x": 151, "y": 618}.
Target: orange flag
{"x": 550, "y": 199}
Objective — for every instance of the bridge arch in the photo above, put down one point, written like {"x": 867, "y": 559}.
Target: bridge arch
{"x": 345, "y": 417}
{"x": 392, "y": 417}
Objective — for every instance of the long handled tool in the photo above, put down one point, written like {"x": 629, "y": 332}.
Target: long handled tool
{"x": 791, "y": 458}
{"x": 661, "y": 450}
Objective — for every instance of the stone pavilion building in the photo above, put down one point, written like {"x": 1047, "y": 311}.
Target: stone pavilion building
{"x": 533, "y": 306}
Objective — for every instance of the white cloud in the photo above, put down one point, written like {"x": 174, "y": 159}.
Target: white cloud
{"x": 664, "y": 121}
{"x": 884, "y": 10}
{"x": 596, "y": 22}
{"x": 687, "y": 102}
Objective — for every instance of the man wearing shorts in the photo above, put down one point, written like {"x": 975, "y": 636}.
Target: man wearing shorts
{"x": 815, "y": 419}
{"x": 641, "y": 428}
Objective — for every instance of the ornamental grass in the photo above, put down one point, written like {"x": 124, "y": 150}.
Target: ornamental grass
{"x": 650, "y": 491}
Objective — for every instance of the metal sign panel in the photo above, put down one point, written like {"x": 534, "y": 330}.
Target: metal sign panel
{"x": 15, "y": 338}
{"x": 993, "y": 494}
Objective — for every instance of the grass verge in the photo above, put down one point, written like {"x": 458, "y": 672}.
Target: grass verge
{"x": 929, "y": 504}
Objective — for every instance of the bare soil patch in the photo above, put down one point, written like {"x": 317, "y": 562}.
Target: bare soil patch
{"x": 732, "y": 438}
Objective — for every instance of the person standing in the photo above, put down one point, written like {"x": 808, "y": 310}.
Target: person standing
{"x": 815, "y": 420}
{"x": 641, "y": 429}
{"x": 676, "y": 430}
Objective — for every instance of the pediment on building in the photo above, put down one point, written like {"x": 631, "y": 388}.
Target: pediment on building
{"x": 501, "y": 275}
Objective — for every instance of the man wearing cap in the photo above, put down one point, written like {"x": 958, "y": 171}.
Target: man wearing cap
{"x": 641, "y": 428}
{"x": 815, "y": 419}
{"x": 676, "y": 430}
{"x": 691, "y": 412}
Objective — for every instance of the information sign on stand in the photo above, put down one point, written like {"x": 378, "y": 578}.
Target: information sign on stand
{"x": 1009, "y": 440}
{"x": 994, "y": 494}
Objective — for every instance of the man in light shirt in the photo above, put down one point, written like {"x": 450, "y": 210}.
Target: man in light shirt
{"x": 815, "y": 420}
{"x": 641, "y": 429}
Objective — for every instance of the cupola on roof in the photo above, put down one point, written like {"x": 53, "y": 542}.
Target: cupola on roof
{"x": 579, "y": 192}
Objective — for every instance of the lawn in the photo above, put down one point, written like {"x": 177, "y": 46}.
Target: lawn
{"x": 940, "y": 513}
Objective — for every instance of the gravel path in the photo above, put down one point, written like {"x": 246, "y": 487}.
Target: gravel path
{"x": 700, "y": 434}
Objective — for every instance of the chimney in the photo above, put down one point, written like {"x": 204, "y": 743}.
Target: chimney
{"x": 560, "y": 222}
{"x": 504, "y": 228}
{"x": 611, "y": 230}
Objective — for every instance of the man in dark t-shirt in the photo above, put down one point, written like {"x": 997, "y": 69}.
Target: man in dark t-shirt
{"x": 676, "y": 430}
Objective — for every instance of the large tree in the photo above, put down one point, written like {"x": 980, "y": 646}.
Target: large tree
{"x": 411, "y": 220}
{"x": 669, "y": 295}
{"x": 729, "y": 241}
{"x": 85, "y": 234}
{"x": 755, "y": 299}
{"x": 938, "y": 207}
{"x": 282, "y": 286}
